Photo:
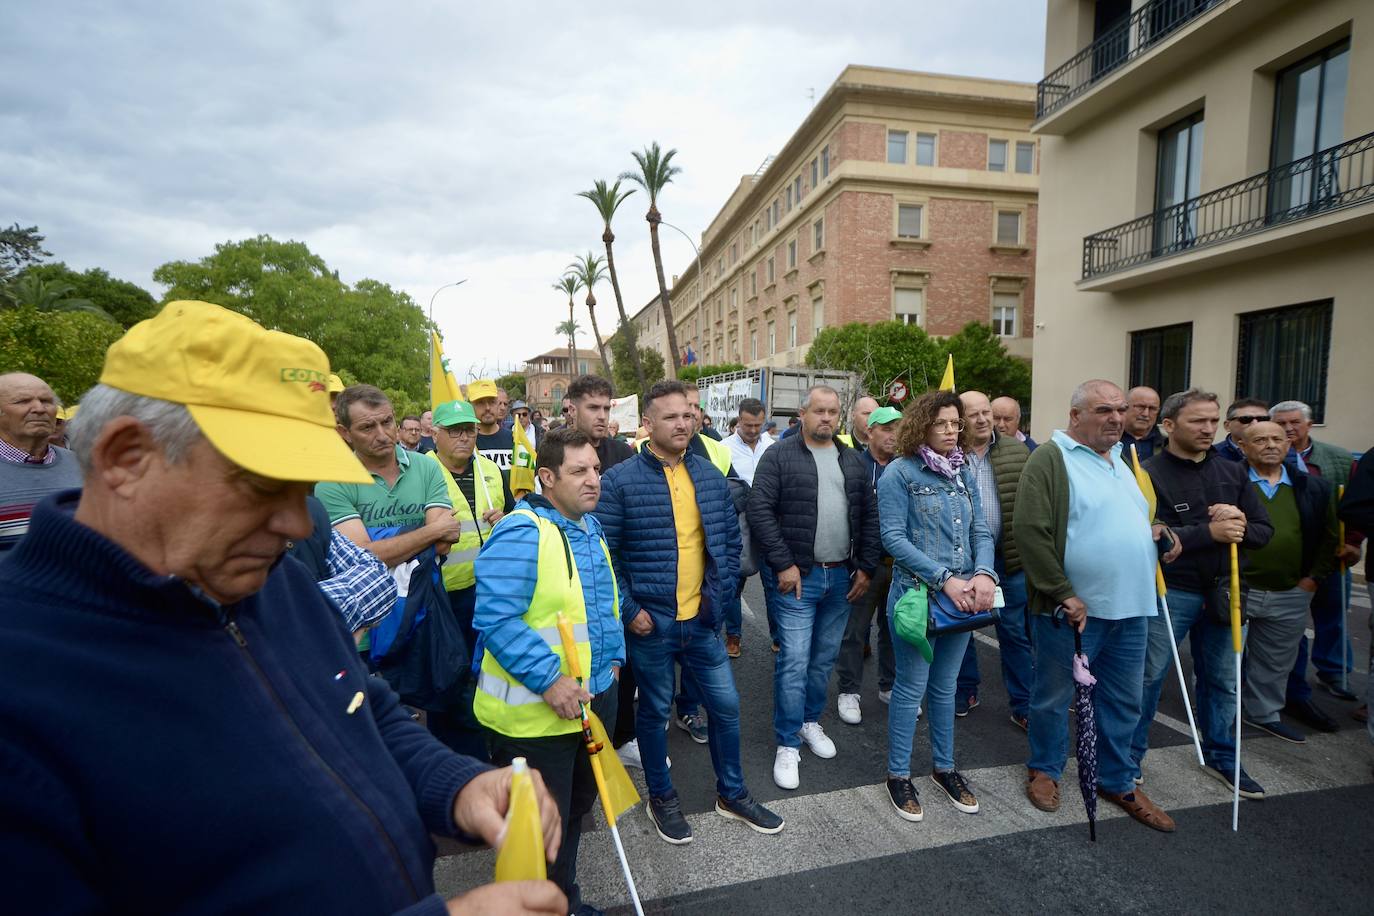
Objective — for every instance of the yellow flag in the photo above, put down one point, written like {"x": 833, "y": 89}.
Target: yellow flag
{"x": 521, "y": 462}
{"x": 443, "y": 387}
{"x": 620, "y": 794}
{"x": 521, "y": 857}
{"x": 947, "y": 383}
{"x": 1147, "y": 487}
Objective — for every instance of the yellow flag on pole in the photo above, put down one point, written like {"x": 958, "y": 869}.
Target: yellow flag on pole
{"x": 521, "y": 462}
{"x": 443, "y": 387}
{"x": 1147, "y": 488}
{"x": 947, "y": 383}
{"x": 521, "y": 856}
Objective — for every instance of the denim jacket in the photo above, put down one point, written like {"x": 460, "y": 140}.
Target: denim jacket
{"x": 932, "y": 526}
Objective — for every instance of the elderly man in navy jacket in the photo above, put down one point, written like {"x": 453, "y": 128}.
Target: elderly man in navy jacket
{"x": 186, "y": 724}
{"x": 670, "y": 523}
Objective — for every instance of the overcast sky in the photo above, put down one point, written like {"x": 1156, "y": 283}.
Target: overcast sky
{"x": 420, "y": 143}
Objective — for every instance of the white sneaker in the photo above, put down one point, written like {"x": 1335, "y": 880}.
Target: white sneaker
{"x": 785, "y": 767}
{"x": 885, "y": 696}
{"x": 629, "y": 755}
{"x": 849, "y": 709}
{"x": 815, "y": 738}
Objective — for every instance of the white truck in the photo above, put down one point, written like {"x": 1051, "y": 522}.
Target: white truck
{"x": 780, "y": 390}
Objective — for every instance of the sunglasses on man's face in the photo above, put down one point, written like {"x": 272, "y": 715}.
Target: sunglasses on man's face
{"x": 1247, "y": 420}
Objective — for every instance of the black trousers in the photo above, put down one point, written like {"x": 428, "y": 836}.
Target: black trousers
{"x": 567, "y": 770}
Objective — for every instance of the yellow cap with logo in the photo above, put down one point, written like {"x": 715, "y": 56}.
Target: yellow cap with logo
{"x": 259, "y": 396}
{"x": 480, "y": 388}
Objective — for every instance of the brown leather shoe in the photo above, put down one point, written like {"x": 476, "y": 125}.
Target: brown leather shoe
{"x": 1139, "y": 806}
{"x": 732, "y": 646}
{"x": 1042, "y": 791}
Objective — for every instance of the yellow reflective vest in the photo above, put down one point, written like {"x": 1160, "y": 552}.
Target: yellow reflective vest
{"x": 502, "y": 703}
{"x": 486, "y": 480}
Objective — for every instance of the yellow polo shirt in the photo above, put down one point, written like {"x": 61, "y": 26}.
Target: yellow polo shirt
{"x": 691, "y": 538}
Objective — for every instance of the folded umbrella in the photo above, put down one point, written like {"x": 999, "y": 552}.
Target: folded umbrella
{"x": 1086, "y": 744}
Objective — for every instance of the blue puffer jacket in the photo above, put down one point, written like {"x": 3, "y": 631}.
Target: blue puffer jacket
{"x": 636, "y": 515}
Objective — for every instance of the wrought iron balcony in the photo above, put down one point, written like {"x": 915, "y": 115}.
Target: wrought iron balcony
{"x": 1328, "y": 180}
{"x": 1135, "y": 35}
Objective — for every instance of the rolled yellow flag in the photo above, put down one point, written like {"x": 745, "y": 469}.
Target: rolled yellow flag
{"x": 521, "y": 857}
{"x": 1235, "y": 600}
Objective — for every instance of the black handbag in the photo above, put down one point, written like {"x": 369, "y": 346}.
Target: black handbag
{"x": 1216, "y": 602}
{"x": 944, "y": 617}
{"x": 430, "y": 669}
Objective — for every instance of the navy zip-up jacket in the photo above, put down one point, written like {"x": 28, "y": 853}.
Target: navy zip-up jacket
{"x": 164, "y": 754}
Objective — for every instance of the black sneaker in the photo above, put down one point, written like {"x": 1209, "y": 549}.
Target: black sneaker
{"x": 666, "y": 814}
{"x": 1020, "y": 722}
{"x": 694, "y": 725}
{"x": 953, "y": 785}
{"x": 1248, "y": 787}
{"x": 1311, "y": 715}
{"x": 1278, "y": 730}
{"x": 744, "y": 808}
{"x": 904, "y": 798}
{"x": 962, "y": 704}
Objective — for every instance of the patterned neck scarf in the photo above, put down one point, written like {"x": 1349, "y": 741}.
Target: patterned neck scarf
{"x": 945, "y": 465}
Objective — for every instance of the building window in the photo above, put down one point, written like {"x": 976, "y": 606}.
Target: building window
{"x": 1177, "y": 180}
{"x": 581, "y": 367}
{"x": 818, "y": 235}
{"x": 1004, "y": 309}
{"x": 997, "y": 155}
{"x": 1309, "y": 111}
{"x": 791, "y": 330}
{"x": 734, "y": 298}
{"x": 772, "y": 338}
{"x": 817, "y": 316}
{"x": 909, "y": 218}
{"x": 777, "y": 211}
{"x": 792, "y": 254}
{"x": 1161, "y": 358}
{"x": 907, "y": 305}
{"x": 753, "y": 345}
{"x": 772, "y": 276}
{"x": 557, "y": 395}
{"x": 720, "y": 308}
{"x": 768, "y": 219}
{"x": 896, "y": 147}
{"x": 815, "y": 172}
{"x": 789, "y": 198}
{"x": 754, "y": 282}
{"x": 796, "y": 188}
{"x": 734, "y": 253}
{"x": 825, "y": 161}
{"x": 1009, "y": 227}
{"x": 1025, "y": 157}
{"x": 925, "y": 149}
{"x": 1284, "y": 355}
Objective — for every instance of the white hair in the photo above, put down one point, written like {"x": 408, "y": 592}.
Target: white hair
{"x": 171, "y": 424}
{"x": 1288, "y": 406}
{"x": 1083, "y": 392}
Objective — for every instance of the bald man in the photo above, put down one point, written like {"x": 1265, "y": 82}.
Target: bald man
{"x": 1006, "y": 417}
{"x": 1142, "y": 418}
{"x": 858, "y": 423}
{"x": 30, "y": 466}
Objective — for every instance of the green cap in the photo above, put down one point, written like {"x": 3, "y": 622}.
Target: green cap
{"x": 881, "y": 415}
{"x": 452, "y": 413}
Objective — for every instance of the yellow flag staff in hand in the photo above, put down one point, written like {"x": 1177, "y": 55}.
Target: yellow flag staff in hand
{"x": 617, "y": 792}
{"x": 1147, "y": 488}
{"x": 1237, "y": 643}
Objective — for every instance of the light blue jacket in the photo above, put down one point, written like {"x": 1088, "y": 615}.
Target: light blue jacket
{"x": 932, "y": 526}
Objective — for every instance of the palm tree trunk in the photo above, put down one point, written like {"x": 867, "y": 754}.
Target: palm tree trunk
{"x": 596, "y": 332}
{"x": 625, "y": 327}
{"x": 572, "y": 342}
{"x": 654, "y": 219}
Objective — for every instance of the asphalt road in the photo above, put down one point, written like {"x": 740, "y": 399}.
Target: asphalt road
{"x": 1307, "y": 847}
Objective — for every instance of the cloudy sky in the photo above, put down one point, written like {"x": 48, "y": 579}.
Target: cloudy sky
{"x": 420, "y": 143}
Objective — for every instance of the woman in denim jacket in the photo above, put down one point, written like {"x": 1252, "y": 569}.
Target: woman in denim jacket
{"x": 932, "y": 524}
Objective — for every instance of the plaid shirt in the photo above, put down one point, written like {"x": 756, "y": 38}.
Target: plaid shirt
{"x": 19, "y": 456}
{"x": 359, "y": 585}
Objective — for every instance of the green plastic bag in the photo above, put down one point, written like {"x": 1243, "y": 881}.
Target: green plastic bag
{"x": 909, "y": 618}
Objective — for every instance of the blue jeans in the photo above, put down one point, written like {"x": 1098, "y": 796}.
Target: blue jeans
{"x": 1116, "y": 656}
{"x": 1328, "y": 604}
{"x": 734, "y": 611}
{"x": 699, "y": 651}
{"x": 1214, "y": 679}
{"x": 1018, "y": 659}
{"x": 810, "y": 629}
{"x": 917, "y": 680}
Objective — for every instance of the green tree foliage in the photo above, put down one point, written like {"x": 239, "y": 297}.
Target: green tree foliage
{"x": 123, "y": 301}
{"x": 65, "y": 349}
{"x": 514, "y": 383}
{"x": 693, "y": 372}
{"x": 890, "y": 350}
{"x": 377, "y": 334}
{"x": 29, "y": 291}
{"x": 622, "y": 367}
{"x": 20, "y": 247}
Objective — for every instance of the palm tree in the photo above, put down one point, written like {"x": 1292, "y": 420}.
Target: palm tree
{"x": 569, "y": 284}
{"x": 607, "y": 199}
{"x": 589, "y": 271}
{"x": 47, "y": 296}
{"x": 656, "y": 171}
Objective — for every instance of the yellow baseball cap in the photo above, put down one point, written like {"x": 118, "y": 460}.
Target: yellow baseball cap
{"x": 481, "y": 388}
{"x": 260, "y": 397}
{"x": 335, "y": 384}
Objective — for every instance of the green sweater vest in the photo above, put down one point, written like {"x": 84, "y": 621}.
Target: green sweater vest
{"x": 1277, "y": 566}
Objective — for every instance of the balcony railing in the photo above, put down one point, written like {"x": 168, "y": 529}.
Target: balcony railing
{"x": 1135, "y": 35}
{"x": 1328, "y": 180}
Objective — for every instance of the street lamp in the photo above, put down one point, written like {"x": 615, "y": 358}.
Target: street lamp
{"x": 701, "y": 281}
{"x": 436, "y": 296}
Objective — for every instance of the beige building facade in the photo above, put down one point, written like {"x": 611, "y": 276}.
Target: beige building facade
{"x": 902, "y": 195}
{"x": 1208, "y": 204}
{"x": 548, "y": 375}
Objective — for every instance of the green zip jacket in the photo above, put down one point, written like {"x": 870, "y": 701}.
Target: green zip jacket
{"x": 1040, "y": 526}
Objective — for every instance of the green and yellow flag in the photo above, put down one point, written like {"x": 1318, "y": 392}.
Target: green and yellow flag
{"x": 521, "y": 462}
{"x": 947, "y": 383}
{"x": 443, "y": 387}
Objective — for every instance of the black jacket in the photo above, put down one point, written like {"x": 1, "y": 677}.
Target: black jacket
{"x": 1185, "y": 489}
{"x": 1317, "y": 512}
{"x": 1357, "y": 508}
{"x": 612, "y": 450}
{"x": 782, "y": 507}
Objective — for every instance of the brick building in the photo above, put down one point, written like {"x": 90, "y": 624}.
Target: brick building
{"x": 902, "y": 195}
{"x": 548, "y": 375}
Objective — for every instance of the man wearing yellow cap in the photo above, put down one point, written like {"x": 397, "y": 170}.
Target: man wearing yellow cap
{"x": 493, "y": 441}
{"x": 176, "y": 692}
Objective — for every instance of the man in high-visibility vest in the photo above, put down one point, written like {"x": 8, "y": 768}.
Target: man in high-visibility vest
{"x": 549, "y": 556}
{"x": 480, "y": 498}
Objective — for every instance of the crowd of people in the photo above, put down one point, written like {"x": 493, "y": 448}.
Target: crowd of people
{"x": 265, "y": 629}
